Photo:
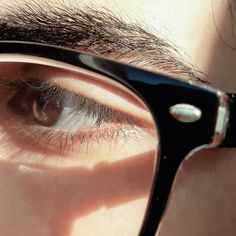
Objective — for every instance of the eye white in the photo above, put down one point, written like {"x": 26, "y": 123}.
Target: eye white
{"x": 74, "y": 120}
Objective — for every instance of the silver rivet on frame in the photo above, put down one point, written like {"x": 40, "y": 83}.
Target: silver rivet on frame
{"x": 185, "y": 113}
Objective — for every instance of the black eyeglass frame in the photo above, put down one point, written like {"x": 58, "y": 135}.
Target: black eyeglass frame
{"x": 160, "y": 92}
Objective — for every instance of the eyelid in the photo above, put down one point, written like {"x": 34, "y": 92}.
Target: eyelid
{"x": 105, "y": 97}
{"x": 126, "y": 104}
{"x": 114, "y": 96}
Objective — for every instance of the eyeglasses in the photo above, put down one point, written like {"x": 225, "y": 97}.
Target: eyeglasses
{"x": 130, "y": 127}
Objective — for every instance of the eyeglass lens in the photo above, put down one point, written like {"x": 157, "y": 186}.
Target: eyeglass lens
{"x": 77, "y": 151}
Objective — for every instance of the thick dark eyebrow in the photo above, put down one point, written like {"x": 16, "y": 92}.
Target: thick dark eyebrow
{"x": 98, "y": 32}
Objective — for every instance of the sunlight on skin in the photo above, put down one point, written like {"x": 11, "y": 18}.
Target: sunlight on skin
{"x": 119, "y": 218}
{"x": 203, "y": 198}
{"x": 55, "y": 200}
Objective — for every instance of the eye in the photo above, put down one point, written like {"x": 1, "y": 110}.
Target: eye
{"x": 44, "y": 105}
{"x": 31, "y": 102}
{"x": 58, "y": 116}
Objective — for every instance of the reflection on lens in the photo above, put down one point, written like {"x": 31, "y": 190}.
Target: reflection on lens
{"x": 77, "y": 151}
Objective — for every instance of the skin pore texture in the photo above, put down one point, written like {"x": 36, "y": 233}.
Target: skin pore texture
{"x": 203, "y": 197}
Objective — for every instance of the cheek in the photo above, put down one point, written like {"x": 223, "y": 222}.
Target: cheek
{"x": 203, "y": 197}
{"x": 22, "y": 208}
{"x": 110, "y": 198}
{"x": 124, "y": 219}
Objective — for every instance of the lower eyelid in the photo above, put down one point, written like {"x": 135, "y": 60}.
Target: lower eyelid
{"x": 59, "y": 143}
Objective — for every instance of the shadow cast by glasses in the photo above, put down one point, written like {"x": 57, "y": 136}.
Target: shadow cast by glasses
{"x": 61, "y": 196}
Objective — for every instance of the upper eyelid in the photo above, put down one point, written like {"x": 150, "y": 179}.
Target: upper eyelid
{"x": 87, "y": 84}
{"x": 58, "y": 74}
{"x": 29, "y": 67}
{"x": 79, "y": 101}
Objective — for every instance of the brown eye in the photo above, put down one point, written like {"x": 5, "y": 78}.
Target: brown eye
{"x": 46, "y": 112}
{"x": 38, "y": 108}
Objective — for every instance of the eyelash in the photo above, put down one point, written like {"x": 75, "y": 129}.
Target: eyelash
{"x": 100, "y": 114}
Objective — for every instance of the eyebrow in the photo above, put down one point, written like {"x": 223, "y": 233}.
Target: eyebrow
{"x": 98, "y": 32}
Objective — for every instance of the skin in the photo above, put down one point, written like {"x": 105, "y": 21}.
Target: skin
{"x": 203, "y": 196}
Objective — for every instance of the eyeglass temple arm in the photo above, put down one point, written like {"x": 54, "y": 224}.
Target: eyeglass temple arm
{"x": 230, "y": 137}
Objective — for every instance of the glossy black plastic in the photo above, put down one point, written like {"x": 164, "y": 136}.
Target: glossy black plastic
{"x": 230, "y": 140}
{"x": 160, "y": 92}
